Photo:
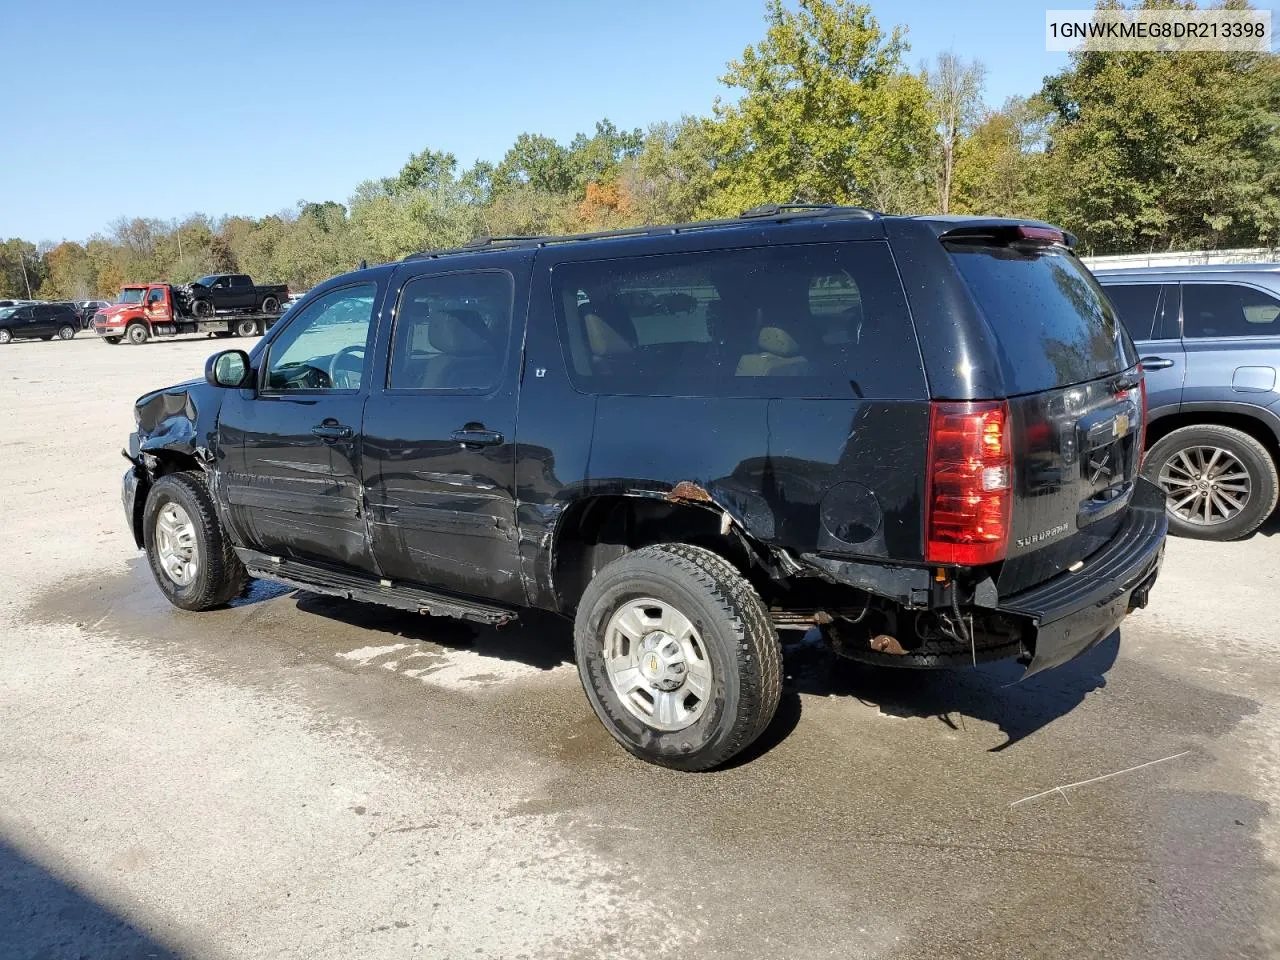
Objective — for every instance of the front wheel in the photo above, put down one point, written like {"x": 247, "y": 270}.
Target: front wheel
{"x": 137, "y": 334}
{"x": 66, "y": 332}
{"x": 677, "y": 656}
{"x": 191, "y": 557}
{"x": 5, "y": 336}
{"x": 1219, "y": 483}
{"x": 202, "y": 309}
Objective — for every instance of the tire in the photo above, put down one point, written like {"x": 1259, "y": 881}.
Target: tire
{"x": 201, "y": 309}
{"x": 113, "y": 341}
{"x": 1177, "y": 462}
{"x": 270, "y": 304}
{"x": 246, "y": 328}
{"x": 5, "y": 336}
{"x": 137, "y": 334}
{"x": 66, "y": 332}
{"x": 218, "y": 575}
{"x": 730, "y": 630}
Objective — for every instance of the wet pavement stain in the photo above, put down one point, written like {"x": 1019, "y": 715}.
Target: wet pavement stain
{"x": 876, "y": 794}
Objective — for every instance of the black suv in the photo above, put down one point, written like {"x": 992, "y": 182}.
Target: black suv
{"x": 920, "y": 436}
{"x": 38, "y": 321}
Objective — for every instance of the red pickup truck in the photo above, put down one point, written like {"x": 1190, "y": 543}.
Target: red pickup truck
{"x": 151, "y": 310}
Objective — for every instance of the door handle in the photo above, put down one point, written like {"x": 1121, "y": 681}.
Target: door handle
{"x": 331, "y": 430}
{"x": 477, "y": 438}
{"x": 1156, "y": 363}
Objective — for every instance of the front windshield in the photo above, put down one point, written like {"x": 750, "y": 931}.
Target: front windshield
{"x": 207, "y": 281}
{"x": 132, "y": 294}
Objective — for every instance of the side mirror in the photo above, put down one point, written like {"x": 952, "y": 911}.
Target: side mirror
{"x": 230, "y": 368}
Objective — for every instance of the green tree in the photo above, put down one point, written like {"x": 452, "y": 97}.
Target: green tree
{"x": 1165, "y": 150}
{"x": 71, "y": 274}
{"x": 538, "y": 161}
{"x": 1000, "y": 166}
{"x": 827, "y": 113}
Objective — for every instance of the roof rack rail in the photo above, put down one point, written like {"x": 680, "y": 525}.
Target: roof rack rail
{"x": 766, "y": 210}
{"x": 776, "y": 211}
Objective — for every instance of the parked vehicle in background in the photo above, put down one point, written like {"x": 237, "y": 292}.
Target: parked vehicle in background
{"x": 1209, "y": 338}
{"x": 151, "y": 310}
{"x": 38, "y": 321}
{"x": 802, "y": 417}
{"x": 14, "y": 303}
{"x": 226, "y": 292}
{"x": 87, "y": 308}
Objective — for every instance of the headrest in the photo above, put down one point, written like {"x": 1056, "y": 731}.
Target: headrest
{"x": 460, "y": 333}
{"x": 777, "y": 341}
{"x": 609, "y": 331}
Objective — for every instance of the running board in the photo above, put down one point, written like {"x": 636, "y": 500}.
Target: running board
{"x": 349, "y": 586}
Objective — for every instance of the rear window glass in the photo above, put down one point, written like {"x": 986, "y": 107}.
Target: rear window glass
{"x": 1135, "y": 304}
{"x": 1053, "y": 325}
{"x": 818, "y": 320}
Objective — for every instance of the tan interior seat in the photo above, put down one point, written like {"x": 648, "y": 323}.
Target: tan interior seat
{"x": 779, "y": 356}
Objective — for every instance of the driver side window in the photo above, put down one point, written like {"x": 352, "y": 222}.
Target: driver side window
{"x": 325, "y": 346}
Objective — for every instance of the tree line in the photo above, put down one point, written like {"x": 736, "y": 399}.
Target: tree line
{"x": 1130, "y": 151}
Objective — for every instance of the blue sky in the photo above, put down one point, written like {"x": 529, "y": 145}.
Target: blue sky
{"x": 160, "y": 108}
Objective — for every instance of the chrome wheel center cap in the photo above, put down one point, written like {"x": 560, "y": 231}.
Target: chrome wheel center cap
{"x": 661, "y": 661}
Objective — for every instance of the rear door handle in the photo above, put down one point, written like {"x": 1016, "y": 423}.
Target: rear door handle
{"x": 477, "y": 438}
{"x": 1156, "y": 363}
{"x": 331, "y": 430}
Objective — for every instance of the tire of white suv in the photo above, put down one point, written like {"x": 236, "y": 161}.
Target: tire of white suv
{"x": 1220, "y": 483}
{"x": 678, "y": 656}
{"x": 191, "y": 558}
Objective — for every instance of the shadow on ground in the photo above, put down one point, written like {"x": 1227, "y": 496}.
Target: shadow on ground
{"x": 992, "y": 692}
{"x": 44, "y": 918}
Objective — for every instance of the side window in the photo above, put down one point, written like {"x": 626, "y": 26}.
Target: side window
{"x": 240, "y": 281}
{"x": 451, "y": 332}
{"x": 821, "y": 319}
{"x": 1228, "y": 310}
{"x": 155, "y": 296}
{"x": 219, "y": 284}
{"x": 1136, "y": 305}
{"x": 325, "y": 347}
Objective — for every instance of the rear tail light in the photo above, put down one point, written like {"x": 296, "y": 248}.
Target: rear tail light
{"x": 1041, "y": 234}
{"x": 969, "y": 484}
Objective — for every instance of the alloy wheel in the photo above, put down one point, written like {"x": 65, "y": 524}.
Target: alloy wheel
{"x": 1205, "y": 485}
{"x": 657, "y": 664}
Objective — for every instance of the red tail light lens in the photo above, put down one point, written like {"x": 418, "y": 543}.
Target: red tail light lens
{"x": 969, "y": 486}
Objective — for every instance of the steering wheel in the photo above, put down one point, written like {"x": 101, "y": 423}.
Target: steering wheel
{"x": 336, "y": 362}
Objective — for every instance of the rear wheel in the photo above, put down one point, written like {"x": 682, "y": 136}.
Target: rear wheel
{"x": 191, "y": 558}
{"x": 1219, "y": 483}
{"x": 137, "y": 334}
{"x": 270, "y": 305}
{"x": 66, "y": 332}
{"x": 246, "y": 328}
{"x": 677, "y": 656}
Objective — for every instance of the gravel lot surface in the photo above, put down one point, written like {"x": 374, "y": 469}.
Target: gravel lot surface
{"x": 301, "y": 777}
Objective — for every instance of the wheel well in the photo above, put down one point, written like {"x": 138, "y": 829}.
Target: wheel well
{"x": 160, "y": 464}
{"x": 596, "y": 530}
{"x": 1157, "y": 430}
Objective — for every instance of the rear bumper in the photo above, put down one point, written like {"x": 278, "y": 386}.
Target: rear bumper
{"x": 1073, "y": 611}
